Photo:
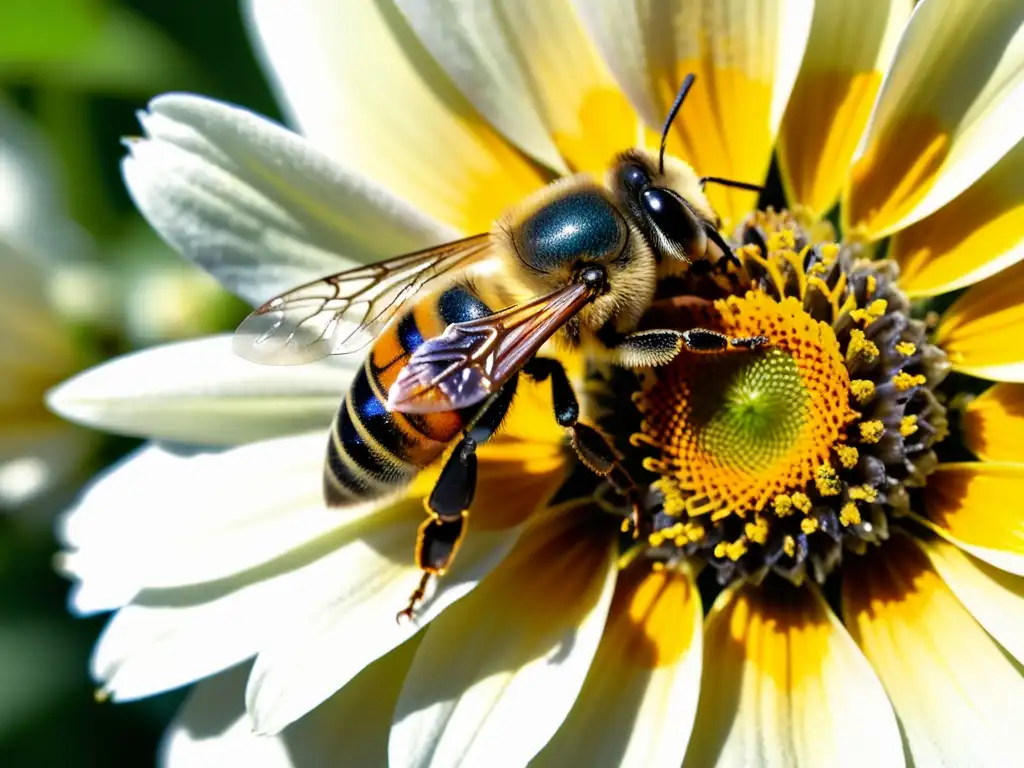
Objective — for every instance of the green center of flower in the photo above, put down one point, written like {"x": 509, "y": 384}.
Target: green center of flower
{"x": 751, "y": 410}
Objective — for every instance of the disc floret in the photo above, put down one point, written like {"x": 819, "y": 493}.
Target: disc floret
{"x": 783, "y": 457}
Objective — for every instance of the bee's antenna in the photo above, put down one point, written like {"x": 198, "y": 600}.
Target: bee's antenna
{"x": 683, "y": 90}
{"x": 730, "y": 183}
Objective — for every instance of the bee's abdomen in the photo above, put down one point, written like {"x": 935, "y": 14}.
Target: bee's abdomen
{"x": 373, "y": 451}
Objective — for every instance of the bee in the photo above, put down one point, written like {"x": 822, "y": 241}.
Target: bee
{"x": 579, "y": 261}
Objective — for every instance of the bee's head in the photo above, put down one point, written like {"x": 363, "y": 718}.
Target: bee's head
{"x": 666, "y": 202}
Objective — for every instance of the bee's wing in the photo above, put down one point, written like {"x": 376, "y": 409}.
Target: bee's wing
{"x": 472, "y": 360}
{"x": 343, "y": 313}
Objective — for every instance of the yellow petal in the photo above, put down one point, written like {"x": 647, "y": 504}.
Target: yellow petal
{"x": 979, "y": 233}
{"x": 784, "y": 685}
{"x": 977, "y": 507}
{"x": 745, "y": 54}
{"x": 957, "y": 696}
{"x": 948, "y": 111}
{"x": 515, "y": 651}
{"x": 994, "y": 597}
{"x": 638, "y": 701}
{"x": 993, "y": 424}
{"x": 362, "y": 87}
{"x": 848, "y": 51}
{"x": 530, "y": 67}
{"x": 981, "y": 331}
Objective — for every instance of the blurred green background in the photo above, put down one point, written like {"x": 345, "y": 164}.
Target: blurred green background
{"x": 77, "y": 71}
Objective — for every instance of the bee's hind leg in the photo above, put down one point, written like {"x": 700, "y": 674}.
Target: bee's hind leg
{"x": 448, "y": 505}
{"x": 593, "y": 447}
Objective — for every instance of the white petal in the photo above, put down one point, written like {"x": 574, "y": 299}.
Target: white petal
{"x": 200, "y": 392}
{"x": 164, "y": 520}
{"x": 361, "y": 86}
{"x": 640, "y": 697}
{"x": 994, "y": 597}
{"x": 353, "y": 623}
{"x": 212, "y": 730}
{"x": 956, "y": 693}
{"x": 619, "y": 30}
{"x": 745, "y": 54}
{"x": 516, "y": 651}
{"x": 785, "y": 685}
{"x": 169, "y": 637}
{"x": 255, "y": 204}
{"x": 350, "y": 728}
{"x": 530, "y": 68}
{"x": 948, "y": 111}
{"x": 468, "y": 42}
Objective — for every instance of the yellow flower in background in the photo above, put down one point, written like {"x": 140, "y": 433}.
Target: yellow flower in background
{"x": 39, "y": 452}
{"x": 855, "y": 544}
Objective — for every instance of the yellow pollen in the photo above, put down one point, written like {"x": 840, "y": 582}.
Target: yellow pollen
{"x": 809, "y": 525}
{"x": 873, "y": 311}
{"x": 781, "y": 240}
{"x": 849, "y": 514}
{"x": 908, "y": 425}
{"x": 802, "y": 502}
{"x": 906, "y": 348}
{"x": 848, "y": 456}
{"x": 657, "y": 565}
{"x": 871, "y": 431}
{"x": 871, "y": 284}
{"x": 863, "y": 493}
{"x": 826, "y": 481}
{"x": 789, "y": 546}
{"x": 905, "y": 381}
{"x": 860, "y": 347}
{"x": 694, "y": 531}
{"x": 757, "y": 531}
{"x": 783, "y": 505}
{"x": 862, "y": 389}
{"x": 828, "y": 252}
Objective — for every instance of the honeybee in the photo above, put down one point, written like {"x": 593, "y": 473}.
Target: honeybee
{"x": 579, "y": 260}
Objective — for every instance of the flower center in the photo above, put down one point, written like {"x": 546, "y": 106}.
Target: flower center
{"x": 751, "y": 411}
{"x": 783, "y": 457}
{"x": 739, "y": 428}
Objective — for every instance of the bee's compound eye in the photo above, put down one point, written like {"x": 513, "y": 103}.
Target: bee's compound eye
{"x": 674, "y": 219}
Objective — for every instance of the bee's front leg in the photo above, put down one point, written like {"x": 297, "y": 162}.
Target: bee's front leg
{"x": 650, "y": 349}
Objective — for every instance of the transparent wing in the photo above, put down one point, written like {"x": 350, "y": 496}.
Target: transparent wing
{"x": 343, "y": 313}
{"x": 472, "y": 360}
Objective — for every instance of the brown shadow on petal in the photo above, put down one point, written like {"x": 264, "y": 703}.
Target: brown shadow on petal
{"x": 896, "y": 574}
{"x": 775, "y": 632}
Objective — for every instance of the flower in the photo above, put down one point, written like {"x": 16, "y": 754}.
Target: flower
{"x": 38, "y": 451}
{"x": 833, "y": 455}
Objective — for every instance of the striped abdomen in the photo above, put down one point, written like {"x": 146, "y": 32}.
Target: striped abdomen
{"x": 373, "y": 451}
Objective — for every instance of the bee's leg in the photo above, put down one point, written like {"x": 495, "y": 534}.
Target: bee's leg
{"x": 437, "y": 542}
{"x": 592, "y": 446}
{"x": 448, "y": 504}
{"x": 650, "y": 349}
{"x": 706, "y": 340}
